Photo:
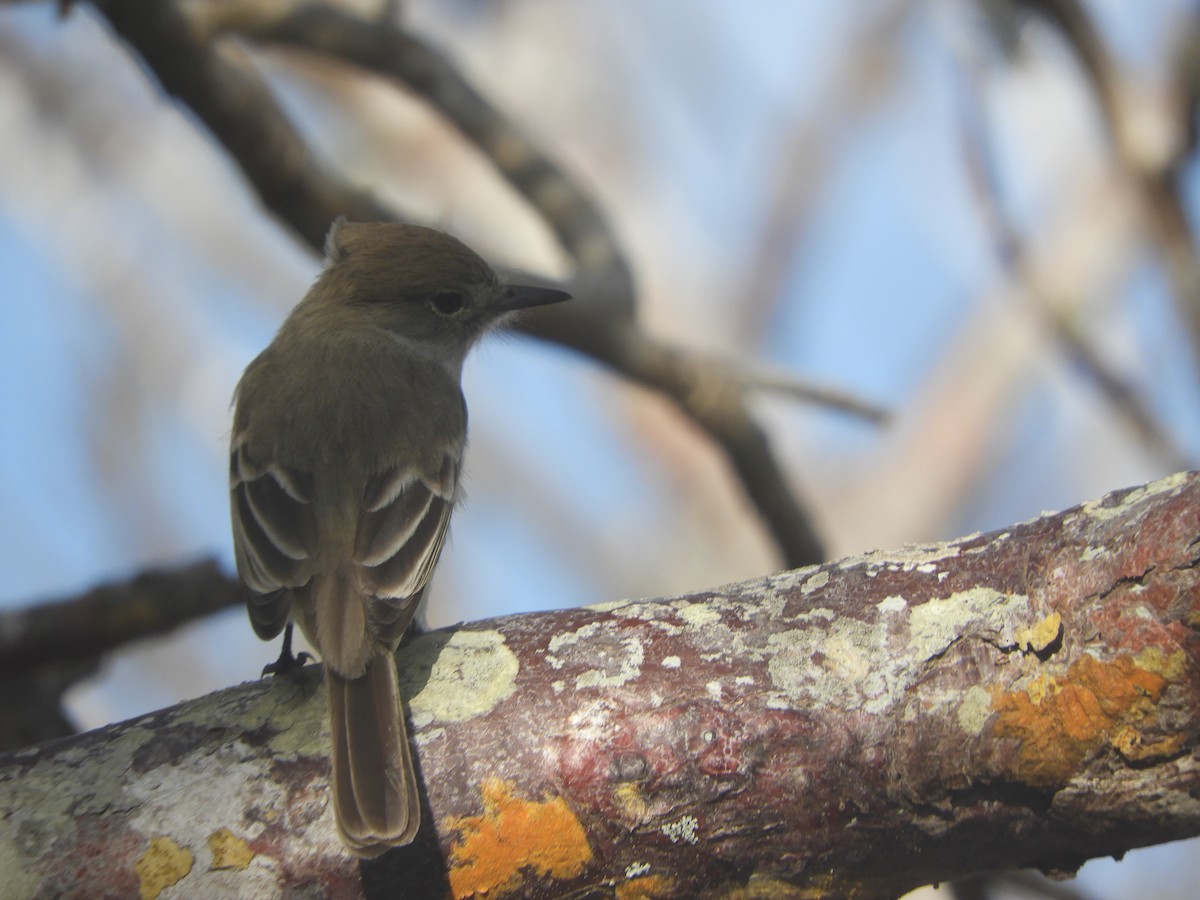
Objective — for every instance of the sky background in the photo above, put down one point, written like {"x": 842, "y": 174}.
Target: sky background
{"x": 791, "y": 184}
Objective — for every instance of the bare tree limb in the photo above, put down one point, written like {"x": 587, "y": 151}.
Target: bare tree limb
{"x": 1026, "y": 698}
{"x": 766, "y": 379}
{"x": 379, "y": 46}
{"x": 47, "y": 647}
{"x": 106, "y": 617}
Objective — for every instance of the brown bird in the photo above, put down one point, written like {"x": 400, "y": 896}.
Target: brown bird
{"x": 347, "y": 446}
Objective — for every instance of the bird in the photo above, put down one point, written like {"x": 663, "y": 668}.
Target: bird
{"x": 346, "y": 457}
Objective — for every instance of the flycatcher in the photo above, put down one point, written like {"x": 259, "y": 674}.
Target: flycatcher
{"x": 347, "y": 445}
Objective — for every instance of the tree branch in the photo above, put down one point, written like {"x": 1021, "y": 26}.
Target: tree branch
{"x": 229, "y": 98}
{"x": 47, "y": 647}
{"x": 1023, "y": 698}
{"x": 106, "y": 617}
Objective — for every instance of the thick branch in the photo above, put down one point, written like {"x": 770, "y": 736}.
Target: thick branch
{"x": 1023, "y": 698}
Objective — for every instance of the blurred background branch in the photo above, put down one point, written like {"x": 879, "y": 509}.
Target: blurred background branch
{"x": 50, "y": 645}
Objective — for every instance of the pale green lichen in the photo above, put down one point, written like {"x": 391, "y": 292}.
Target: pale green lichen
{"x": 428, "y": 736}
{"x": 827, "y": 666}
{"x": 618, "y": 668}
{"x": 294, "y": 711}
{"x": 568, "y": 639}
{"x": 771, "y": 596}
{"x": 469, "y": 674}
{"x": 974, "y": 709}
{"x": 19, "y": 877}
{"x": 697, "y": 615}
{"x": 684, "y": 829}
{"x": 846, "y": 663}
{"x": 980, "y": 611}
{"x": 608, "y": 605}
{"x": 817, "y": 614}
{"x": 906, "y": 559}
{"x": 818, "y": 580}
{"x": 619, "y": 659}
{"x": 892, "y": 604}
{"x": 654, "y": 612}
{"x": 141, "y": 778}
{"x": 42, "y": 809}
{"x": 1095, "y": 510}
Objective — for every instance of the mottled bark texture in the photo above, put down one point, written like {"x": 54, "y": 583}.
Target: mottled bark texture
{"x": 1029, "y": 697}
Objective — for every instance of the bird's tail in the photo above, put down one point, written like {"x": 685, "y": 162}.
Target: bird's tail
{"x": 374, "y": 789}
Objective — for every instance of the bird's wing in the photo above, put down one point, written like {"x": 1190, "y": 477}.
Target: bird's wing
{"x": 401, "y": 529}
{"x": 274, "y": 534}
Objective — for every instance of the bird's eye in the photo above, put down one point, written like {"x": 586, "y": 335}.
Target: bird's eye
{"x": 448, "y": 303}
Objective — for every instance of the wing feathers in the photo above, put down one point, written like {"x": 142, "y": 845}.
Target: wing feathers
{"x": 405, "y": 573}
{"x": 274, "y": 535}
{"x": 385, "y": 487}
{"x": 382, "y": 533}
{"x": 281, "y": 516}
{"x": 400, "y": 532}
{"x": 269, "y": 567}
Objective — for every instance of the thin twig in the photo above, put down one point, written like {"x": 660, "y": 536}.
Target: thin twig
{"x": 777, "y": 381}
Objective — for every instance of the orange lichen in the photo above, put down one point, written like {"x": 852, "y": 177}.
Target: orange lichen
{"x": 229, "y": 851}
{"x": 1060, "y": 721}
{"x": 648, "y": 887}
{"x": 163, "y": 864}
{"x": 1036, "y": 638}
{"x": 1134, "y": 747}
{"x": 515, "y": 834}
{"x": 630, "y": 802}
{"x": 765, "y": 888}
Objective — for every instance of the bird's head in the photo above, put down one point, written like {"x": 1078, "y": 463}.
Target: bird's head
{"x": 427, "y": 288}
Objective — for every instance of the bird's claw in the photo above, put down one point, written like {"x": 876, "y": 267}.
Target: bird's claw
{"x": 289, "y": 663}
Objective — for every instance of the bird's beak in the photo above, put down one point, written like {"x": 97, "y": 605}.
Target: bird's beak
{"x": 523, "y": 296}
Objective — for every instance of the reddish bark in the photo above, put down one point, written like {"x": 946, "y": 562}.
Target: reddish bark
{"x": 1023, "y": 698}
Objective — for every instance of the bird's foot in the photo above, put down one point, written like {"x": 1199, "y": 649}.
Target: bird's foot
{"x": 289, "y": 663}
